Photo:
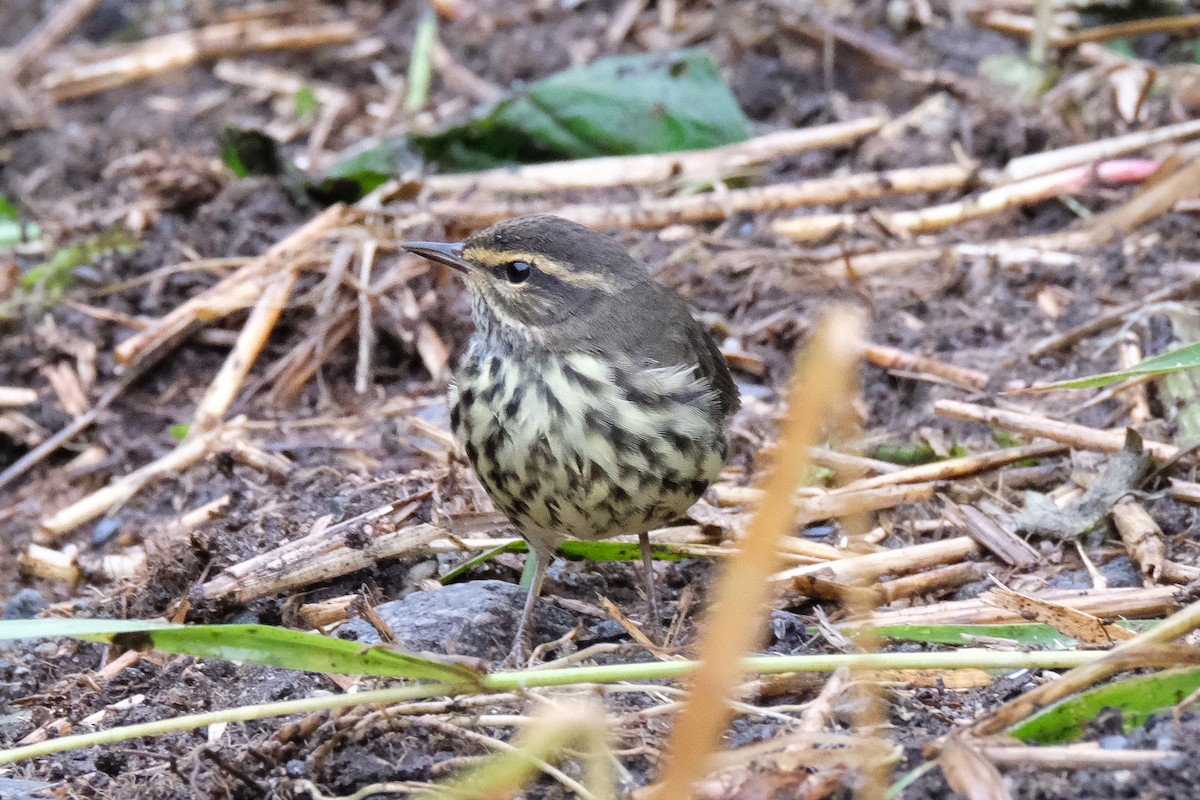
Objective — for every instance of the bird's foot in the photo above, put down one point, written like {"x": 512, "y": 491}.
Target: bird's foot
{"x": 522, "y": 648}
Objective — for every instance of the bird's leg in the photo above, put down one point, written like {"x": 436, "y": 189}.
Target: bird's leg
{"x": 522, "y": 643}
{"x": 654, "y": 623}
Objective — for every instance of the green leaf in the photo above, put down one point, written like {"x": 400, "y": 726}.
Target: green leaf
{"x": 912, "y": 455}
{"x": 480, "y": 558}
{"x": 1121, "y": 47}
{"x": 368, "y": 170}
{"x": 179, "y": 431}
{"x": 249, "y": 152}
{"x": 420, "y": 63}
{"x": 305, "y": 102}
{"x": 1187, "y": 357}
{"x": 577, "y": 550}
{"x": 1027, "y": 81}
{"x": 256, "y": 644}
{"x": 1028, "y": 634}
{"x": 63, "y": 626}
{"x": 53, "y": 277}
{"x": 623, "y": 105}
{"x": 12, "y": 230}
{"x": 1138, "y": 698}
{"x": 8, "y": 209}
{"x": 623, "y": 551}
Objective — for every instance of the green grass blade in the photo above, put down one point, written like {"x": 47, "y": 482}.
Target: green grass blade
{"x": 577, "y": 550}
{"x": 257, "y": 644}
{"x": 1029, "y": 634}
{"x": 58, "y": 626}
{"x": 476, "y": 560}
{"x": 1187, "y": 357}
{"x": 567, "y": 676}
{"x": 420, "y": 64}
{"x": 1138, "y": 698}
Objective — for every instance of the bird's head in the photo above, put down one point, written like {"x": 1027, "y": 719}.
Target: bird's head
{"x": 542, "y": 277}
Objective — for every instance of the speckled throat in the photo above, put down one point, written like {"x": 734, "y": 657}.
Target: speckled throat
{"x": 578, "y": 445}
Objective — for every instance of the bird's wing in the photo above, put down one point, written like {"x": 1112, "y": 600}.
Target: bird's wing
{"x": 714, "y": 369}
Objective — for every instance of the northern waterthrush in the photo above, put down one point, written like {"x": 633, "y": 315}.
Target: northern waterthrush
{"x": 590, "y": 402}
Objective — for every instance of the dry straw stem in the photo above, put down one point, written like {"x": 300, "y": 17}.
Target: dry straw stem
{"x": 653, "y": 212}
{"x": 1005, "y": 251}
{"x": 1085, "y": 628}
{"x": 235, "y": 292}
{"x": 1068, "y": 433}
{"x": 822, "y": 382}
{"x": 968, "y": 772}
{"x": 1142, "y": 537}
{"x": 56, "y": 25}
{"x": 609, "y": 171}
{"x": 930, "y": 580}
{"x": 768, "y": 769}
{"x": 622, "y": 21}
{"x": 65, "y": 434}
{"x": 954, "y": 467}
{"x": 1124, "y": 602}
{"x": 173, "y": 532}
{"x": 998, "y": 540}
{"x": 321, "y": 615}
{"x": 118, "y": 65}
{"x": 1177, "y": 179}
{"x": 830, "y": 505}
{"x": 965, "y": 658}
{"x": 323, "y": 555}
{"x": 366, "y": 328}
{"x": 292, "y": 373}
{"x": 280, "y": 81}
{"x": 1185, "y": 491}
{"x": 815, "y": 503}
{"x": 994, "y": 201}
{"x": 1100, "y": 150}
{"x": 46, "y": 562}
{"x": 863, "y": 570}
{"x": 1073, "y": 756}
{"x": 16, "y": 396}
{"x": 1138, "y": 400}
{"x": 1179, "y": 26}
{"x": 1118, "y": 315}
{"x": 1179, "y": 573}
{"x": 462, "y": 80}
{"x": 571, "y": 725}
{"x": 820, "y": 710}
{"x": 250, "y": 342}
{"x": 1152, "y": 201}
{"x": 1147, "y": 649}
{"x": 125, "y": 487}
{"x": 850, "y": 463}
{"x": 895, "y": 358}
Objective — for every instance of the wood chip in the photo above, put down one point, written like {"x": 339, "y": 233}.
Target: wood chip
{"x": 1085, "y": 628}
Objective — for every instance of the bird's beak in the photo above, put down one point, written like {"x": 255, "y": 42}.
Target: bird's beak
{"x": 448, "y": 253}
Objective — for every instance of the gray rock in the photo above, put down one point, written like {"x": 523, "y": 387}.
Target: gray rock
{"x": 25, "y": 604}
{"x": 478, "y": 619}
{"x": 1071, "y": 579}
{"x": 14, "y": 789}
{"x": 1119, "y": 571}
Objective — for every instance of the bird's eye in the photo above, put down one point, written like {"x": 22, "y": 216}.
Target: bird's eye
{"x": 518, "y": 271}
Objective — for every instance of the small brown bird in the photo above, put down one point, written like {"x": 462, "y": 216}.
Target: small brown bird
{"x": 590, "y": 402}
